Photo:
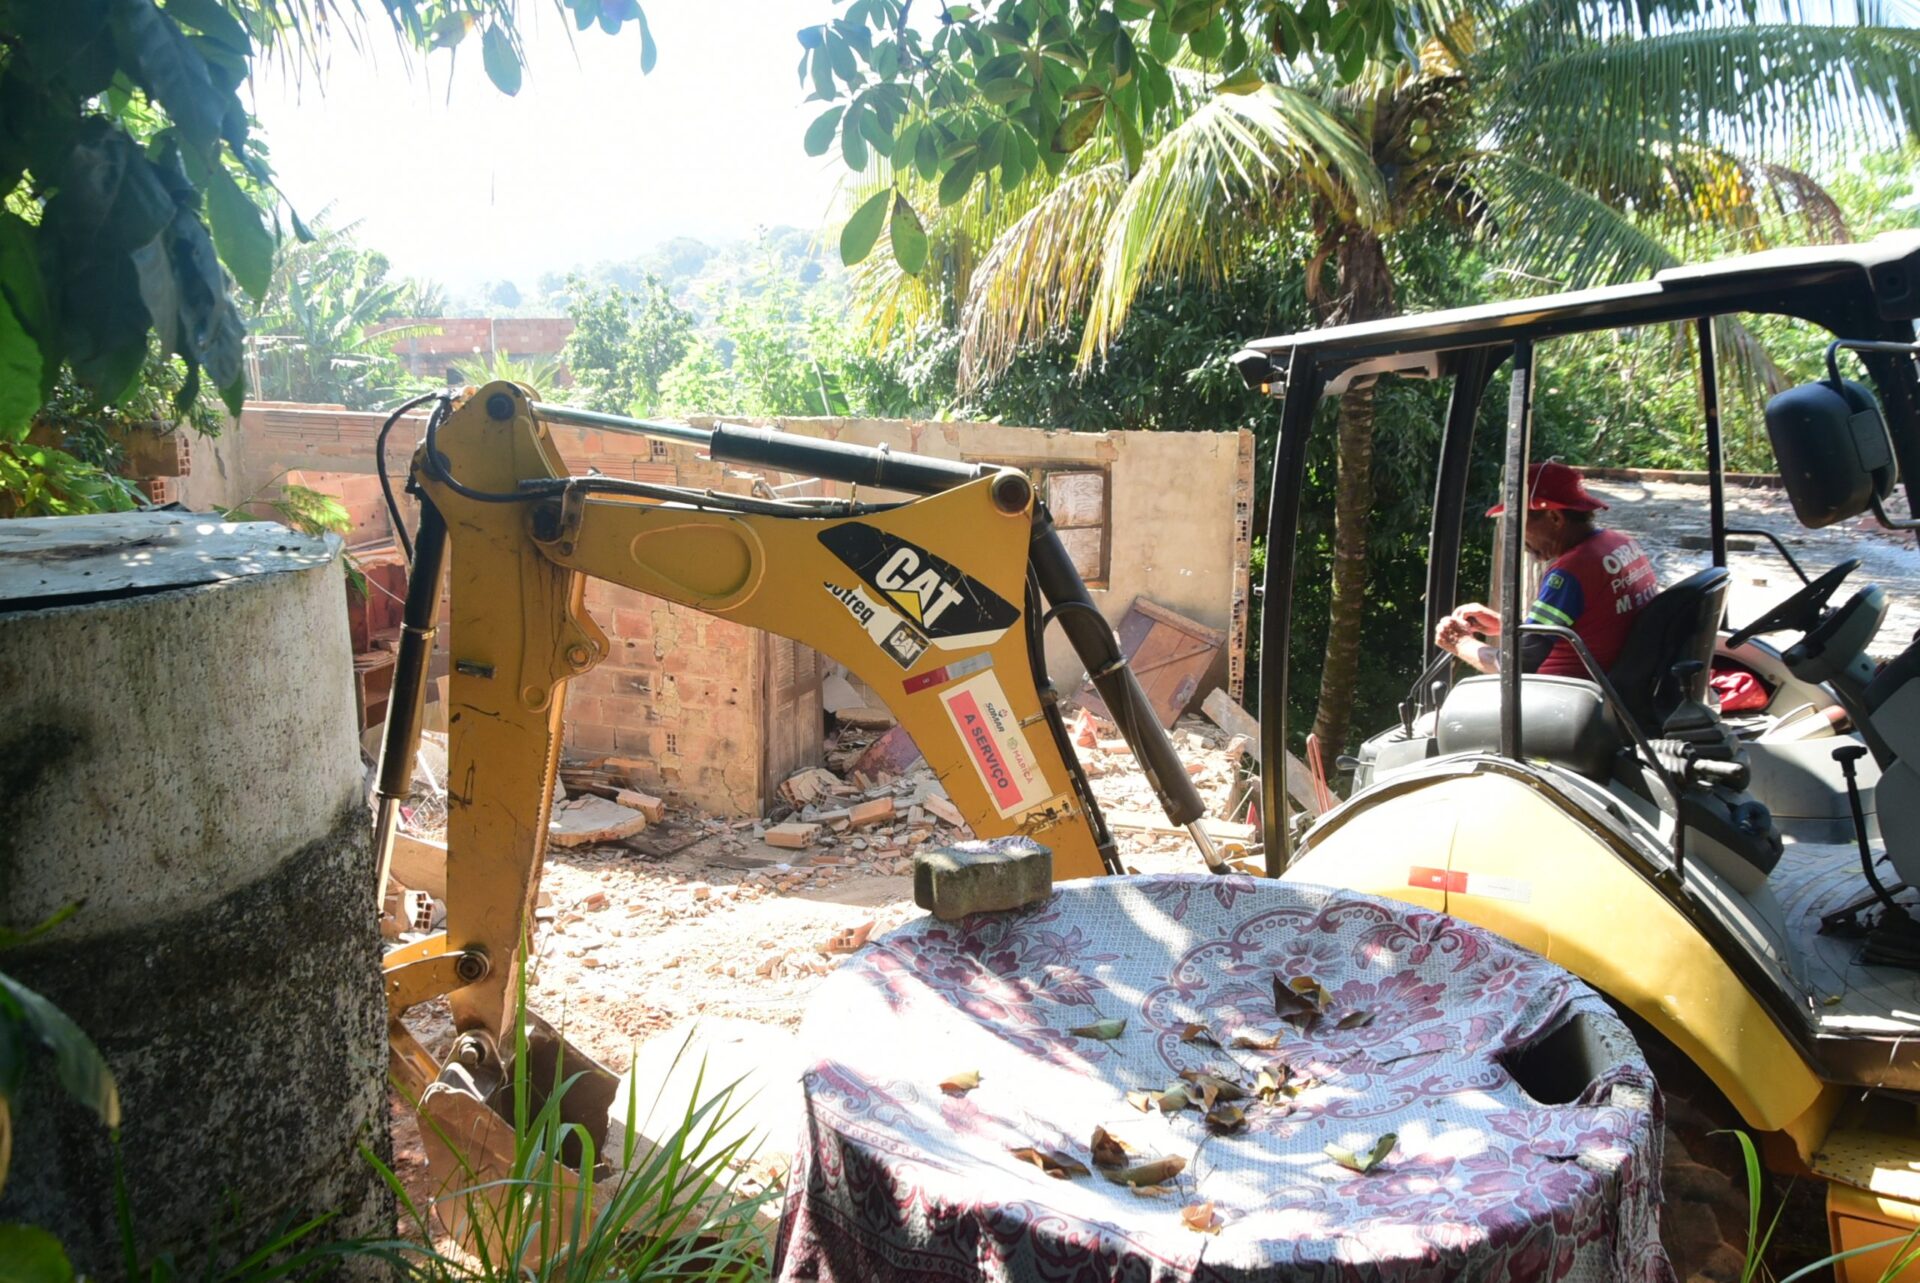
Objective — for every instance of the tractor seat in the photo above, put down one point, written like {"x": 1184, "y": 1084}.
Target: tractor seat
{"x": 1566, "y": 720}
{"x": 1681, "y": 624}
{"x": 1563, "y": 720}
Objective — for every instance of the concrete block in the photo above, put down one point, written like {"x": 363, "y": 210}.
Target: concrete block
{"x": 959, "y": 878}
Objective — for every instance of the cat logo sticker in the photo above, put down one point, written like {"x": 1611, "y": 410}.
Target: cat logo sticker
{"x": 889, "y": 632}
{"x": 952, "y": 608}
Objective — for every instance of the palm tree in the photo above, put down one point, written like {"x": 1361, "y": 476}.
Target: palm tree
{"x": 1585, "y": 141}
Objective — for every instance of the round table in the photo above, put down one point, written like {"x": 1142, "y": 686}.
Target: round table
{"x": 951, "y": 1112}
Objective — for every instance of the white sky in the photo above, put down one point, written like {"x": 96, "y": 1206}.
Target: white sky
{"x": 591, "y": 161}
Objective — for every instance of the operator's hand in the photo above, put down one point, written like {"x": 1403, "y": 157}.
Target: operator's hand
{"x": 1478, "y": 619}
{"x": 1451, "y": 632}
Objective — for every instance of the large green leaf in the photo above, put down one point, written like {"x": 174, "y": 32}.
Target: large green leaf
{"x": 22, "y": 291}
{"x": 956, "y": 180}
{"x": 171, "y": 69}
{"x": 211, "y": 19}
{"x": 1078, "y": 126}
{"x": 19, "y": 375}
{"x": 501, "y": 62}
{"x": 820, "y": 132}
{"x": 29, "y": 1254}
{"x": 240, "y": 232}
{"x": 909, "y": 237}
{"x": 863, "y": 229}
{"x": 77, "y": 1063}
{"x": 104, "y": 324}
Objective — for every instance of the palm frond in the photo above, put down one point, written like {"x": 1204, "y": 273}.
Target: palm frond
{"x": 1037, "y": 275}
{"x": 1539, "y": 30}
{"x": 1764, "y": 90}
{"x": 1535, "y": 219}
{"x": 1216, "y": 180}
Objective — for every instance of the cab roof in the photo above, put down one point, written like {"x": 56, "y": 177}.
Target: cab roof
{"x": 1882, "y": 275}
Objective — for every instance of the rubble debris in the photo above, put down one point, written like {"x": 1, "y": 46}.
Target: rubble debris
{"x": 945, "y": 810}
{"x": 894, "y": 753}
{"x": 794, "y": 835}
{"x": 420, "y": 863}
{"x": 652, "y": 807}
{"x": 1239, "y": 723}
{"x": 804, "y": 788}
{"x": 584, "y": 821}
{"x": 1147, "y": 822}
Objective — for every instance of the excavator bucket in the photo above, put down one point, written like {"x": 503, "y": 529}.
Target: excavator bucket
{"x": 488, "y": 1174}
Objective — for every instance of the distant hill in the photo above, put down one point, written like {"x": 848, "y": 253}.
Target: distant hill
{"x": 700, "y": 276}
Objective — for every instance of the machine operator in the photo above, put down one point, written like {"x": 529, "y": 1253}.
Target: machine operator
{"x": 1596, "y": 581}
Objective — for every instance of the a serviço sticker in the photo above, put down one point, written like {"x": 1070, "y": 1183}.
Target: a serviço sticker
{"x": 952, "y": 608}
{"x": 892, "y": 634}
{"x": 996, "y": 745}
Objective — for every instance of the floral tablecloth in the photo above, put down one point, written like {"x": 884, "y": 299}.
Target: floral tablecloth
{"x": 951, "y": 1115}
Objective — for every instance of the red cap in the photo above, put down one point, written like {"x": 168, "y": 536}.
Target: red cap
{"x": 1554, "y": 485}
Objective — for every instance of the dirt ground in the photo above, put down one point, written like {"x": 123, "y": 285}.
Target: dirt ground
{"x": 628, "y": 946}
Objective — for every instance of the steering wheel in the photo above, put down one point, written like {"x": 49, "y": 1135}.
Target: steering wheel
{"x": 1799, "y": 612}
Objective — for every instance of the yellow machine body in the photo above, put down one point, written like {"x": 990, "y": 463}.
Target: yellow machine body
{"x": 1493, "y": 847}
{"x": 518, "y": 632}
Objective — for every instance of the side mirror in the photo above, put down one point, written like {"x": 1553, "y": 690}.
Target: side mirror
{"x": 1832, "y": 445}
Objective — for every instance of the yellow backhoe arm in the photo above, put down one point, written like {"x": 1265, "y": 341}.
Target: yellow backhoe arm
{"x": 929, "y": 601}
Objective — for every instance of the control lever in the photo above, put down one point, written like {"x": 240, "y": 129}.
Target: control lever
{"x": 1896, "y": 940}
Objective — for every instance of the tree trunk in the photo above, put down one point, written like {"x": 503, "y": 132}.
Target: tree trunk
{"x": 1366, "y": 293}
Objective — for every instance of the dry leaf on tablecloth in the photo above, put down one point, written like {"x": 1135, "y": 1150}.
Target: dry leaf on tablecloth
{"x": 1364, "y": 1163}
{"x": 1148, "y": 1191}
{"x": 1108, "y": 1150}
{"x": 961, "y": 1083}
{"x": 1256, "y": 1039}
{"x": 1173, "y": 1099}
{"x": 1223, "y": 1119}
{"x": 1201, "y": 1217}
{"x": 1223, "y": 1088}
{"x": 1152, "y": 1173}
{"x": 1057, "y": 1165}
{"x": 1104, "y": 1030}
{"x": 1354, "y": 1020}
{"x": 1141, "y": 1100}
{"x": 1199, "y": 1034}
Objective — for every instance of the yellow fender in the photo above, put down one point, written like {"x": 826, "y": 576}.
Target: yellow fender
{"x": 1491, "y": 848}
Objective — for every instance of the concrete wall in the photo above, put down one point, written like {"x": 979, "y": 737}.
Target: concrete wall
{"x": 704, "y": 701}
{"x": 1179, "y": 522}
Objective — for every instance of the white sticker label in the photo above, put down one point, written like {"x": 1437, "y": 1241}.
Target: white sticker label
{"x": 996, "y": 745}
{"x": 1495, "y": 887}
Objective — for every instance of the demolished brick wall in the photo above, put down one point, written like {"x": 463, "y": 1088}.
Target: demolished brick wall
{"x": 717, "y": 714}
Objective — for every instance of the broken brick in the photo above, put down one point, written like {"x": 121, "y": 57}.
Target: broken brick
{"x": 866, "y": 814}
{"x": 652, "y": 807}
{"x": 793, "y": 835}
{"x": 944, "y": 809}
